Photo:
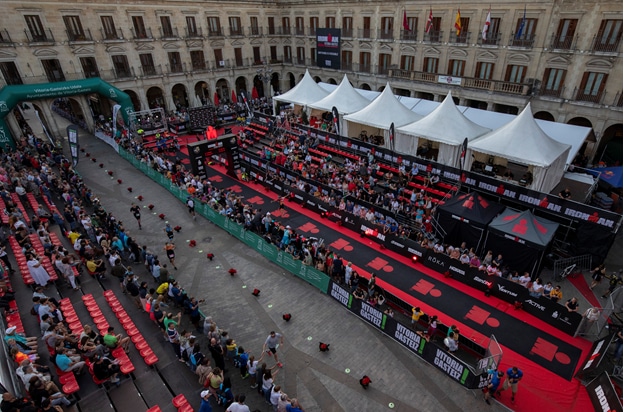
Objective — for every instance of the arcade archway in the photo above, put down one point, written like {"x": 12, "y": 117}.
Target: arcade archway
{"x": 155, "y": 98}
{"x": 542, "y": 115}
{"x": 180, "y": 96}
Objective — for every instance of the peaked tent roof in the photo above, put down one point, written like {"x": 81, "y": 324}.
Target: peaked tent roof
{"x": 383, "y": 111}
{"x": 344, "y": 97}
{"x": 304, "y": 93}
{"x": 522, "y": 140}
{"x": 524, "y": 225}
{"x": 446, "y": 114}
{"x": 473, "y": 207}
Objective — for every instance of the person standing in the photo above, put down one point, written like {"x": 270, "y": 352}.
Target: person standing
{"x": 238, "y": 405}
{"x": 599, "y": 273}
{"x": 493, "y": 385}
{"x": 37, "y": 271}
{"x": 190, "y": 204}
{"x": 612, "y": 284}
{"x": 135, "y": 209}
{"x": 169, "y": 248}
{"x": 271, "y": 345}
{"x": 590, "y": 317}
{"x": 205, "y": 405}
{"x": 513, "y": 377}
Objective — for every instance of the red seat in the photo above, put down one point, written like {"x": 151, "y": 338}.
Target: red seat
{"x": 151, "y": 360}
{"x": 137, "y": 339}
{"x": 141, "y": 345}
{"x": 70, "y": 387}
{"x": 126, "y": 367}
{"x": 65, "y": 377}
{"x": 186, "y": 408}
{"x": 109, "y": 293}
{"x": 155, "y": 408}
{"x": 179, "y": 400}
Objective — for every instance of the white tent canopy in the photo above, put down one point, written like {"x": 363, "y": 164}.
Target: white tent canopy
{"x": 304, "y": 93}
{"x": 522, "y": 141}
{"x": 445, "y": 125}
{"x": 382, "y": 111}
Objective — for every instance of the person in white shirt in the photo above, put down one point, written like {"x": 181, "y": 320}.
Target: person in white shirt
{"x": 525, "y": 279}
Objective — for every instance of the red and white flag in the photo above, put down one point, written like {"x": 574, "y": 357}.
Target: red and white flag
{"x": 406, "y": 26}
{"x": 429, "y": 26}
{"x": 487, "y": 25}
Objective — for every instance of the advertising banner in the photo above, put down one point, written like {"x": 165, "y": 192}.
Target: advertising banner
{"x": 72, "y": 131}
{"x": 328, "y": 48}
{"x": 603, "y": 394}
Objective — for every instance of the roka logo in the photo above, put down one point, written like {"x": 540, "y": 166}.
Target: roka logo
{"x": 435, "y": 260}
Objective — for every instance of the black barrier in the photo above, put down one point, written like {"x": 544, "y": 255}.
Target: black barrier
{"x": 603, "y": 394}
{"x": 177, "y": 128}
{"x": 546, "y": 310}
{"x": 596, "y": 356}
{"x": 230, "y": 116}
{"x": 431, "y": 353}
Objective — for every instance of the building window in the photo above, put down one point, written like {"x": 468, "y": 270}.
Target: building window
{"x": 347, "y": 27}
{"x": 271, "y": 25}
{"x": 313, "y": 55}
{"x": 198, "y": 60}
{"x": 285, "y": 25}
{"x": 407, "y": 63}
{"x": 346, "y": 59}
{"x": 493, "y": 35}
{"x": 384, "y": 63}
{"x": 121, "y": 66}
{"x": 139, "y": 28}
{"x": 74, "y": 27}
{"x": 565, "y": 36}
{"x": 430, "y": 65}
{"x": 386, "y": 28}
{"x": 553, "y": 82}
{"x": 435, "y": 35}
{"x": 330, "y": 22}
{"x": 220, "y": 62}
{"x": 313, "y": 25}
{"x": 239, "y": 62}
{"x": 166, "y": 27}
{"x": 174, "y": 60}
{"x": 108, "y": 28}
{"x": 592, "y": 87}
{"x": 609, "y": 36}
{"x": 193, "y": 31}
{"x": 524, "y": 36}
{"x": 300, "y": 55}
{"x": 299, "y": 26}
{"x": 484, "y": 71}
{"x": 365, "y": 62}
{"x": 254, "y": 26}
{"x": 235, "y": 27}
{"x": 213, "y": 24}
{"x": 463, "y": 37}
{"x": 35, "y": 28}
{"x": 53, "y": 70}
{"x": 515, "y": 74}
{"x": 366, "y": 27}
{"x": 90, "y": 67}
{"x": 148, "y": 65}
{"x": 456, "y": 68}
{"x": 10, "y": 73}
{"x": 257, "y": 55}
{"x": 412, "y": 32}
{"x": 273, "y": 54}
{"x": 287, "y": 54}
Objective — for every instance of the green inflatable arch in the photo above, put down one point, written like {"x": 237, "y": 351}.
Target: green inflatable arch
{"x": 12, "y": 95}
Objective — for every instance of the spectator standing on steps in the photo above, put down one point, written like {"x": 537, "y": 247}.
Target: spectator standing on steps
{"x": 273, "y": 341}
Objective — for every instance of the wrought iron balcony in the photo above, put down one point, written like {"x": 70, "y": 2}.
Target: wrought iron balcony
{"x": 197, "y": 33}
{"x": 145, "y": 34}
{"x": 109, "y": 36}
{"x": 365, "y": 33}
{"x": 255, "y": 31}
{"x": 171, "y": 33}
{"x": 385, "y": 35}
{"x": 603, "y": 44}
{"x": 524, "y": 41}
{"x": 346, "y": 33}
{"x": 563, "y": 42}
{"x": 213, "y": 32}
{"x": 492, "y": 39}
{"x": 408, "y": 35}
{"x": 43, "y": 37}
{"x": 463, "y": 38}
{"x": 236, "y": 32}
{"x": 583, "y": 95}
{"x": 434, "y": 37}
{"x": 85, "y": 36}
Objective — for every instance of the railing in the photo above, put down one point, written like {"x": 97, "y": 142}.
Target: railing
{"x": 383, "y": 70}
{"x": 603, "y": 44}
{"x": 78, "y": 37}
{"x": 408, "y": 35}
{"x": 236, "y": 32}
{"x": 385, "y": 34}
{"x": 433, "y": 37}
{"x": 279, "y": 31}
{"x": 200, "y": 66}
{"x": 172, "y": 33}
{"x": 544, "y": 91}
{"x": 222, "y": 64}
{"x": 492, "y": 39}
{"x": 195, "y": 34}
{"x": 365, "y": 33}
{"x": 255, "y": 31}
{"x": 45, "y": 37}
{"x": 346, "y": 66}
{"x": 215, "y": 32}
{"x": 583, "y": 95}
{"x": 299, "y": 31}
{"x": 238, "y": 62}
{"x": 112, "y": 36}
{"x": 5, "y": 39}
{"x": 145, "y": 34}
{"x": 618, "y": 101}
{"x": 526, "y": 41}
{"x": 563, "y": 42}
{"x": 312, "y": 31}
{"x": 365, "y": 68}
{"x": 463, "y": 38}
{"x": 175, "y": 68}
{"x": 151, "y": 70}
{"x": 300, "y": 61}
{"x": 478, "y": 84}
{"x": 346, "y": 33}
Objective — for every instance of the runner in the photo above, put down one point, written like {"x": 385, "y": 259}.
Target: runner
{"x": 272, "y": 343}
{"x": 135, "y": 209}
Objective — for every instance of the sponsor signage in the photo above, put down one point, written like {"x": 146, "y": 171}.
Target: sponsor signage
{"x": 456, "y": 81}
{"x": 328, "y": 48}
{"x": 448, "y": 364}
{"x": 341, "y": 295}
{"x": 408, "y": 338}
{"x": 603, "y": 395}
{"x": 598, "y": 350}
{"x": 372, "y": 315}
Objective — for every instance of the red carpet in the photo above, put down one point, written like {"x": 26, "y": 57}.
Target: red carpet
{"x": 582, "y": 282}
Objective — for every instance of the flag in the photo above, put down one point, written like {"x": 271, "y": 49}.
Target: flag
{"x": 522, "y": 25}
{"x": 463, "y": 152}
{"x": 458, "y": 24}
{"x": 246, "y": 103}
{"x": 334, "y": 113}
{"x": 391, "y": 133}
{"x": 405, "y": 21}
{"x": 429, "y": 26}
{"x": 487, "y": 25}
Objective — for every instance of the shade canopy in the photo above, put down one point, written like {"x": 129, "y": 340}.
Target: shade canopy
{"x": 304, "y": 93}
{"x": 345, "y": 98}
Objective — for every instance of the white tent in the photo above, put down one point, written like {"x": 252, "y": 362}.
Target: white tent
{"x": 523, "y": 142}
{"x": 446, "y": 126}
{"x": 345, "y": 98}
{"x": 382, "y": 111}
{"x": 304, "y": 93}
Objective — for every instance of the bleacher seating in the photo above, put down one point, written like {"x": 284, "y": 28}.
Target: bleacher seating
{"x": 18, "y": 203}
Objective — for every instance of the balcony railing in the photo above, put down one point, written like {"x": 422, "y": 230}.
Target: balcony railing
{"x": 408, "y": 35}
{"x": 5, "y": 39}
{"x": 279, "y": 31}
{"x": 434, "y": 37}
{"x": 346, "y": 33}
{"x": 383, "y": 70}
{"x": 175, "y": 68}
{"x": 299, "y": 31}
{"x": 79, "y": 37}
{"x": 346, "y": 66}
{"x": 365, "y": 68}
{"x": 463, "y": 38}
{"x": 145, "y": 34}
{"x": 197, "y": 33}
{"x": 255, "y": 31}
{"x": 618, "y": 101}
{"x": 170, "y": 34}
{"x": 299, "y": 61}
{"x": 526, "y": 41}
{"x": 583, "y": 95}
{"x": 151, "y": 70}
{"x": 563, "y": 42}
{"x": 236, "y": 32}
{"x": 467, "y": 82}
{"x": 365, "y": 33}
{"x": 385, "y": 35}
{"x": 551, "y": 92}
{"x": 492, "y": 39}
{"x": 215, "y": 32}
{"x": 44, "y": 37}
{"x": 200, "y": 66}
{"x": 312, "y": 31}
{"x": 112, "y": 36}
{"x": 602, "y": 44}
